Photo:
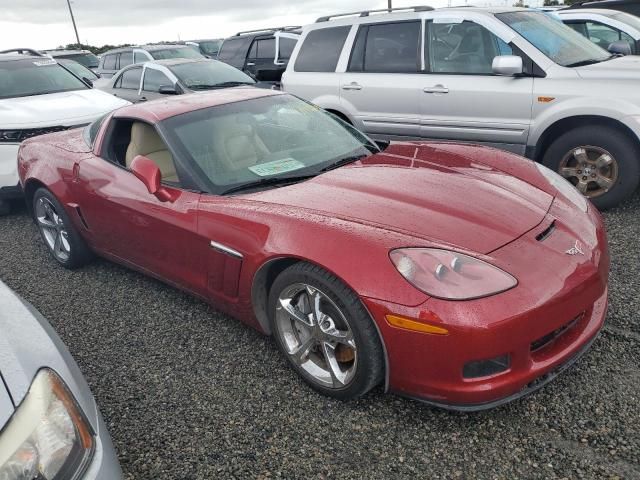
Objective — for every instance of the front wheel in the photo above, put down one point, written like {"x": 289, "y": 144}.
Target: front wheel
{"x": 64, "y": 243}
{"x": 325, "y": 332}
{"x": 601, "y": 162}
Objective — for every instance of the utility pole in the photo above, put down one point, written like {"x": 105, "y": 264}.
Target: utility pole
{"x": 389, "y": 2}
{"x": 73, "y": 20}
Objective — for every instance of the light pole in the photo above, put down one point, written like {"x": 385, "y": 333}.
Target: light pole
{"x": 73, "y": 20}
{"x": 389, "y": 3}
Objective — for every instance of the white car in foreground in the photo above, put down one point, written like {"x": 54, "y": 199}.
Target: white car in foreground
{"x": 38, "y": 96}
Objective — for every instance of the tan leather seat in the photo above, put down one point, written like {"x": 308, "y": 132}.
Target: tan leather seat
{"x": 146, "y": 141}
{"x": 237, "y": 146}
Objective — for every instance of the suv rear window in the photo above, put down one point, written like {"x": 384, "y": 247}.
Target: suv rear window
{"x": 321, "y": 50}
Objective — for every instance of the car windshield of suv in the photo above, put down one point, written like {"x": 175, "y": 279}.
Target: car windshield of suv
{"x": 211, "y": 47}
{"x": 210, "y": 74}
{"x": 168, "y": 53}
{"x": 271, "y": 140}
{"x": 89, "y": 60}
{"x": 557, "y": 41}
{"x": 37, "y": 76}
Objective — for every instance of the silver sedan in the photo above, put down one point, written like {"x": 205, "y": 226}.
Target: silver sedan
{"x": 50, "y": 426}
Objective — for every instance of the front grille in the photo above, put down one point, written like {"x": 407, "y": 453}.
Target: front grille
{"x": 549, "y": 338}
{"x": 20, "y": 135}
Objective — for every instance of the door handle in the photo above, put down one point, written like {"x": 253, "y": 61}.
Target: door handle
{"x": 436, "y": 89}
{"x": 352, "y": 86}
{"x": 251, "y": 64}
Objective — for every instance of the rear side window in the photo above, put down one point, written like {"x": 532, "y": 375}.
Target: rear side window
{"x": 130, "y": 79}
{"x": 387, "y": 48}
{"x": 321, "y": 50}
{"x": 126, "y": 59}
{"x": 109, "y": 62}
{"x": 286, "y": 47}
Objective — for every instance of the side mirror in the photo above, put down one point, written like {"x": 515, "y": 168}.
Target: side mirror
{"x": 168, "y": 90}
{"x": 507, "y": 65}
{"x": 148, "y": 173}
{"x": 621, "y": 48}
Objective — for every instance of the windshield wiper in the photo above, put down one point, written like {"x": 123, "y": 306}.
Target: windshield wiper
{"x": 342, "y": 162}
{"x": 217, "y": 85}
{"x": 272, "y": 181}
{"x": 584, "y": 63}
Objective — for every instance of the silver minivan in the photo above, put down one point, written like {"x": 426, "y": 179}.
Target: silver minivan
{"x": 511, "y": 78}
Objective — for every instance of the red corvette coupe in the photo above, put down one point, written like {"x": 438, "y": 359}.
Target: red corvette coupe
{"x": 459, "y": 275}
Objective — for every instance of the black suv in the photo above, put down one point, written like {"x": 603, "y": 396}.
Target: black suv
{"x": 254, "y": 52}
{"x": 628, "y": 6}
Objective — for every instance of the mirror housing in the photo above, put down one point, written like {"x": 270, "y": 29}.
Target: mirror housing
{"x": 168, "y": 90}
{"x": 148, "y": 173}
{"x": 621, "y": 48}
{"x": 507, "y": 65}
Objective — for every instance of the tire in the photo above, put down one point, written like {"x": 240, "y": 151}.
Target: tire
{"x": 58, "y": 233}
{"x": 5, "y": 208}
{"x": 597, "y": 141}
{"x": 357, "y": 357}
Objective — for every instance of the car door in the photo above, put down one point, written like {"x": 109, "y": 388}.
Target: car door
{"x": 383, "y": 82}
{"x": 153, "y": 78}
{"x": 127, "y": 85}
{"x": 461, "y": 97}
{"x": 126, "y": 222}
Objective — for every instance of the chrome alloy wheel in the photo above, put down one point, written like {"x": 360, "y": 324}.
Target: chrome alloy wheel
{"x": 53, "y": 229}
{"x": 592, "y": 170}
{"x": 316, "y": 335}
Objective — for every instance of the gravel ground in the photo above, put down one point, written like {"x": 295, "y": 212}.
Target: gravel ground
{"x": 190, "y": 393}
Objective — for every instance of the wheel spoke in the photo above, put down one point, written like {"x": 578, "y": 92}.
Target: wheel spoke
{"x": 315, "y": 298}
{"x": 580, "y": 154}
{"x": 46, "y": 223}
{"x": 57, "y": 244}
{"x": 582, "y": 186}
{"x": 337, "y": 375}
{"x": 64, "y": 242}
{"x": 296, "y": 314}
{"x": 301, "y": 353}
{"x": 569, "y": 172}
{"x": 604, "y": 182}
{"x": 604, "y": 161}
{"x": 341, "y": 336}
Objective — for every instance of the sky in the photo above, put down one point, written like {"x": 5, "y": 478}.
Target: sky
{"x": 43, "y": 24}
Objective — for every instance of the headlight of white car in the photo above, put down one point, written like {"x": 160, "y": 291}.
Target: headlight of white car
{"x": 48, "y": 436}
{"x": 450, "y": 275}
{"x": 564, "y": 187}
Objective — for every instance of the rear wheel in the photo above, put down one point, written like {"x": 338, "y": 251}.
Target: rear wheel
{"x": 64, "y": 243}
{"x": 601, "y": 162}
{"x": 325, "y": 332}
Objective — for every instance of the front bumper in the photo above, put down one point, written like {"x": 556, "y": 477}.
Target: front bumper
{"x": 557, "y": 292}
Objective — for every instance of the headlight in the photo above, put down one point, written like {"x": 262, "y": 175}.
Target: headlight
{"x": 564, "y": 187}
{"x": 450, "y": 275}
{"x": 48, "y": 437}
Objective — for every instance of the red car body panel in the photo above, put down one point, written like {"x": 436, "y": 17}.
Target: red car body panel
{"x": 475, "y": 200}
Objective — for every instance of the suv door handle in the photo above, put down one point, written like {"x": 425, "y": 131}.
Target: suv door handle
{"x": 436, "y": 89}
{"x": 251, "y": 64}
{"x": 352, "y": 86}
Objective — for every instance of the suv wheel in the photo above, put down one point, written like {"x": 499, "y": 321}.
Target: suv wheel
{"x": 601, "y": 162}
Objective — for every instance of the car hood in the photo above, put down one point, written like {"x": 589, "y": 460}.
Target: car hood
{"x": 424, "y": 191}
{"x": 54, "y": 109}
{"x": 621, "y": 68}
{"x": 27, "y": 344}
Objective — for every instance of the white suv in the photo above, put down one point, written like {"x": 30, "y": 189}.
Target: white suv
{"x": 38, "y": 96}
{"x": 512, "y": 78}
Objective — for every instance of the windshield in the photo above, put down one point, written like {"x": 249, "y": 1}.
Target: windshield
{"x": 211, "y": 47}
{"x": 89, "y": 60}
{"x": 78, "y": 70}
{"x": 557, "y": 41}
{"x": 209, "y": 74}
{"x": 24, "y": 78}
{"x": 179, "y": 52}
{"x": 263, "y": 139}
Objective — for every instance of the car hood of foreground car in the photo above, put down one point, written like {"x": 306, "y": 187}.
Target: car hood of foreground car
{"x": 27, "y": 344}
{"x": 436, "y": 194}
{"x": 54, "y": 109}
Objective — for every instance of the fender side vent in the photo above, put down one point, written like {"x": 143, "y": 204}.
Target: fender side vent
{"x": 543, "y": 235}
{"x": 81, "y": 217}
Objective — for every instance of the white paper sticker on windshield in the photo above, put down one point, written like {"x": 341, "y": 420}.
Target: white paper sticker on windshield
{"x": 277, "y": 166}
